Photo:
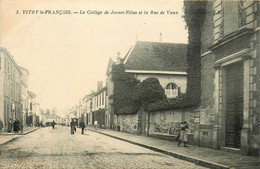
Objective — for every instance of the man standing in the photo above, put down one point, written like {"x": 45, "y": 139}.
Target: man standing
{"x": 1, "y": 126}
{"x": 53, "y": 124}
{"x": 72, "y": 126}
{"x": 82, "y": 126}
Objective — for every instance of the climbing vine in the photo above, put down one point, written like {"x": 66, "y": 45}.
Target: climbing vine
{"x": 194, "y": 14}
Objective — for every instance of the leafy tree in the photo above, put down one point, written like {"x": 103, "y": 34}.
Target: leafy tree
{"x": 149, "y": 91}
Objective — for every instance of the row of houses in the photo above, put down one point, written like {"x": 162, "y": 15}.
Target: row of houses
{"x": 16, "y": 100}
{"x": 228, "y": 114}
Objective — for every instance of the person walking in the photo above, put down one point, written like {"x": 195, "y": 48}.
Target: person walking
{"x": 96, "y": 124}
{"x": 1, "y": 125}
{"x": 82, "y": 126}
{"x": 72, "y": 126}
{"x": 183, "y": 133}
{"x": 53, "y": 124}
{"x": 16, "y": 126}
{"x": 10, "y": 126}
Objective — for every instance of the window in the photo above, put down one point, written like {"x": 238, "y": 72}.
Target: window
{"x": 171, "y": 90}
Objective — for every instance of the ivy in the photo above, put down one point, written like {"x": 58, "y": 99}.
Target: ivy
{"x": 194, "y": 14}
{"x": 124, "y": 85}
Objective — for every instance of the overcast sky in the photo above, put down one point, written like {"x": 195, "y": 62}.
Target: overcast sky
{"x": 67, "y": 54}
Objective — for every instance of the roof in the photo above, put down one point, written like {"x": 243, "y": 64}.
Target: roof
{"x": 156, "y": 56}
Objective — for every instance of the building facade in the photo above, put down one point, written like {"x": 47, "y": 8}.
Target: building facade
{"x": 99, "y": 106}
{"x": 31, "y": 116}
{"x": 87, "y": 109}
{"x": 10, "y": 88}
{"x": 24, "y": 94}
{"x": 230, "y": 57}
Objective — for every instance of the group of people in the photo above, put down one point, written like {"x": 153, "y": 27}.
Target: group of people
{"x": 73, "y": 126}
{"x": 12, "y": 125}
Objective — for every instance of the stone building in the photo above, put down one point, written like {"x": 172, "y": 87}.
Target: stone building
{"x": 10, "y": 87}
{"x": 164, "y": 61}
{"x": 230, "y": 58}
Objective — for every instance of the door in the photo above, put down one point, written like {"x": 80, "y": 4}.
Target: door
{"x": 234, "y": 104}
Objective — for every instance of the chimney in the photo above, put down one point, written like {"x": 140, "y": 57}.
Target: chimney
{"x": 119, "y": 59}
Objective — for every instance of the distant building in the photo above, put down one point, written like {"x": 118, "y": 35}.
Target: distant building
{"x": 99, "y": 106}
{"x": 10, "y": 88}
{"x": 31, "y": 118}
{"x": 87, "y": 109}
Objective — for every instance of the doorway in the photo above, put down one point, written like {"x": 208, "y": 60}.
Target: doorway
{"x": 234, "y": 104}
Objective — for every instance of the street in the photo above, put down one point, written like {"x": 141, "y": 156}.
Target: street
{"x": 48, "y": 148}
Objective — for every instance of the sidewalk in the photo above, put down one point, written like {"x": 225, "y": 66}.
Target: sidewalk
{"x": 202, "y": 156}
{"x": 6, "y": 137}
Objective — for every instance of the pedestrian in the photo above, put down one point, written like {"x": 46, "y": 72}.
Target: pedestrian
{"x": 15, "y": 126}
{"x": 53, "y": 124}
{"x": 82, "y": 126}
{"x": 72, "y": 126}
{"x": 18, "y": 125}
{"x": 10, "y": 126}
{"x": 1, "y": 125}
{"x": 183, "y": 134}
{"x": 95, "y": 124}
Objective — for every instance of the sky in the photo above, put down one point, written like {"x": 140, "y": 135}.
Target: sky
{"x": 66, "y": 54}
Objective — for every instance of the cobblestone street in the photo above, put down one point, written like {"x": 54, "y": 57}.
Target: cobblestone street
{"x": 47, "y": 148}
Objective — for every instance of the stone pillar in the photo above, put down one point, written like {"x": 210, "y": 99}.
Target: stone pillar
{"x": 245, "y": 133}
{"x": 215, "y": 135}
{"x": 196, "y": 132}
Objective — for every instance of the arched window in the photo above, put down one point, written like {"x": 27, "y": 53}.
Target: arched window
{"x": 171, "y": 90}
{"x": 171, "y": 86}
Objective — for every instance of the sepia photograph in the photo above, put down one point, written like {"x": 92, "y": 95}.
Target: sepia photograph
{"x": 129, "y": 84}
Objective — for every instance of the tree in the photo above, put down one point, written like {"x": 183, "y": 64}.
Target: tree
{"x": 149, "y": 91}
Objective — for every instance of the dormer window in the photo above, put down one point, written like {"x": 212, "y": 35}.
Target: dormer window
{"x": 171, "y": 90}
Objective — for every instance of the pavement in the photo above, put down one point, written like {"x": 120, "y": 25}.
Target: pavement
{"x": 199, "y": 155}
{"x": 6, "y": 137}
{"x": 59, "y": 149}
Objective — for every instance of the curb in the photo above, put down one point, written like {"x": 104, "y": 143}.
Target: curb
{"x": 17, "y": 134}
{"x": 12, "y": 139}
{"x": 16, "y": 137}
{"x": 29, "y": 131}
{"x": 195, "y": 160}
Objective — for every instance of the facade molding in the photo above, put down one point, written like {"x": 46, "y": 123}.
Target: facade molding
{"x": 156, "y": 72}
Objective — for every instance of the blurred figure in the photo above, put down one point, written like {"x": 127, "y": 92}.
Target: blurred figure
{"x": 95, "y": 124}
{"x": 183, "y": 133}
{"x": 10, "y": 126}
{"x": 53, "y": 124}
{"x": 16, "y": 125}
{"x": 82, "y": 126}
{"x": 72, "y": 126}
{"x": 1, "y": 125}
